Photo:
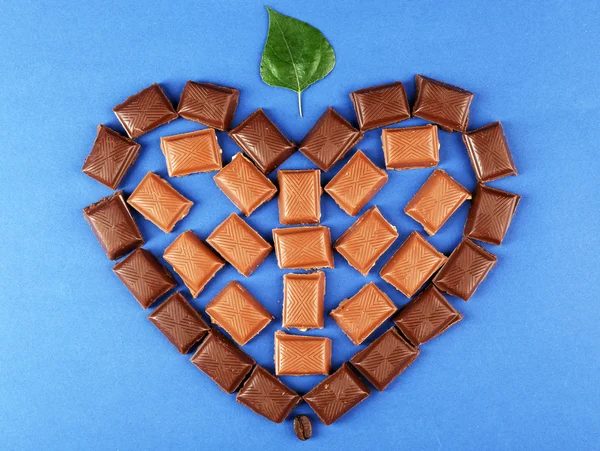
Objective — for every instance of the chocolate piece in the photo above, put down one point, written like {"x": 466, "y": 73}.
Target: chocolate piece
{"x": 222, "y": 361}
{"x": 299, "y": 196}
{"x": 490, "y": 215}
{"x": 303, "y": 247}
{"x": 211, "y": 105}
{"x": 144, "y": 276}
{"x": 366, "y": 240}
{"x": 113, "y": 226}
{"x": 157, "y": 201}
{"x": 426, "y": 316}
{"x": 303, "y": 300}
{"x": 329, "y": 140}
{"x": 302, "y": 427}
{"x": 412, "y": 265}
{"x": 489, "y": 153}
{"x": 239, "y": 244}
{"x": 356, "y": 183}
{"x": 111, "y": 157}
{"x": 192, "y": 152}
{"x": 446, "y": 105}
{"x": 337, "y": 394}
{"x": 267, "y": 396}
{"x": 262, "y": 141}
{"x": 238, "y": 312}
{"x": 465, "y": 269}
{"x": 385, "y": 359}
{"x": 381, "y": 105}
{"x": 360, "y": 315}
{"x": 244, "y": 184}
{"x": 410, "y": 147}
{"x": 193, "y": 260}
{"x": 179, "y": 322}
{"x": 301, "y": 355}
{"x": 437, "y": 200}
{"x": 148, "y": 109}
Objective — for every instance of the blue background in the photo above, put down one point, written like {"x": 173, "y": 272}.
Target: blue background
{"x": 82, "y": 368}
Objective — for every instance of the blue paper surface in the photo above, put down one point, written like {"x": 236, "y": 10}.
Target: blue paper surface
{"x": 82, "y": 368}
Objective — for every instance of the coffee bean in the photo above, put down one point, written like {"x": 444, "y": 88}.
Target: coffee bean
{"x": 302, "y": 427}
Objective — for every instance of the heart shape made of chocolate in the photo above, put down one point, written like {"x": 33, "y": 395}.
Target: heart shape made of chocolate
{"x": 302, "y": 242}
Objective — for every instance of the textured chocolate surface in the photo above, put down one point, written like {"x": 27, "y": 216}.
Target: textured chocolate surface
{"x": 360, "y": 315}
{"x": 221, "y": 360}
{"x": 446, "y": 105}
{"x": 157, "y": 201}
{"x": 113, "y": 226}
{"x": 489, "y": 153}
{"x": 426, "y": 316}
{"x": 238, "y": 312}
{"x": 385, "y": 359}
{"x": 337, "y": 394}
{"x": 239, "y": 244}
{"x": 193, "y": 260}
{"x": 148, "y": 109}
{"x": 381, "y": 105}
{"x": 366, "y": 240}
{"x": 144, "y": 276}
{"x": 244, "y": 184}
{"x": 437, "y": 200}
{"x": 329, "y": 140}
{"x": 299, "y": 196}
{"x": 465, "y": 269}
{"x": 267, "y": 396}
{"x": 192, "y": 152}
{"x": 412, "y": 265}
{"x": 211, "y": 105}
{"x": 179, "y": 322}
{"x": 262, "y": 141}
{"x": 410, "y": 147}
{"x": 303, "y": 247}
{"x": 299, "y": 355}
{"x": 356, "y": 183}
{"x": 303, "y": 300}
{"x": 111, "y": 157}
{"x": 490, "y": 215}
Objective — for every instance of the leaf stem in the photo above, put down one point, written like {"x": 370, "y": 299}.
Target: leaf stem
{"x": 300, "y": 102}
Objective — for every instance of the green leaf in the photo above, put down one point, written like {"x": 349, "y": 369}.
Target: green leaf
{"x": 296, "y": 54}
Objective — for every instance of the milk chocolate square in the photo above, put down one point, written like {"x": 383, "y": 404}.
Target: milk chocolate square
{"x": 244, "y": 184}
{"x": 410, "y": 147}
{"x": 303, "y": 300}
{"x": 157, "y": 201}
{"x": 193, "y": 152}
{"x": 238, "y": 312}
{"x": 437, "y": 200}
{"x": 299, "y": 196}
{"x": 239, "y": 244}
{"x": 356, "y": 183}
{"x": 301, "y": 355}
{"x": 193, "y": 260}
{"x": 366, "y": 240}
{"x": 412, "y": 265}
